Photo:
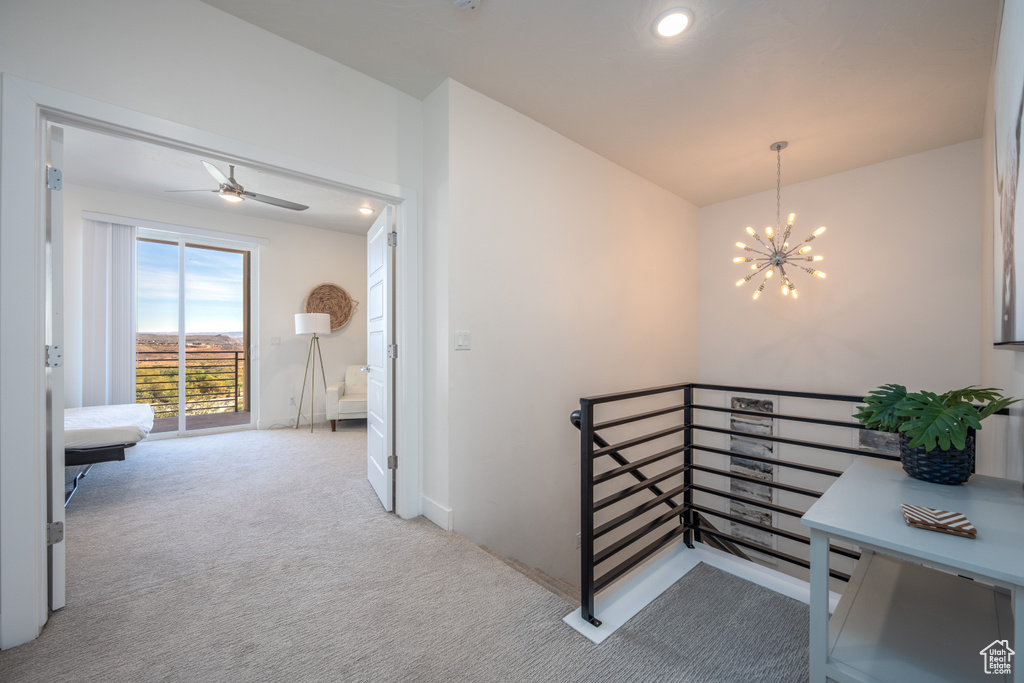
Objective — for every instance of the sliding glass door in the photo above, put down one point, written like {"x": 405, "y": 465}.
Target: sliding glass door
{"x": 192, "y": 363}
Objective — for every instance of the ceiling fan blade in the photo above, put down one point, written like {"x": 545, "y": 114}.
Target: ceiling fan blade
{"x": 204, "y": 190}
{"x": 218, "y": 175}
{"x": 284, "y": 204}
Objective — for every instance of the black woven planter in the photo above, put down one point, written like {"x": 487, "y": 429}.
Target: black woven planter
{"x": 938, "y": 467}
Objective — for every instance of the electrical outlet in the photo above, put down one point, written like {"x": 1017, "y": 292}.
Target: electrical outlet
{"x": 577, "y": 540}
{"x": 291, "y": 401}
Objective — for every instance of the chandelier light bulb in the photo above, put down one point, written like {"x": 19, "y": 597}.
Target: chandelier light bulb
{"x": 768, "y": 230}
{"x": 785, "y": 290}
{"x": 793, "y": 292}
{"x": 820, "y": 274}
{"x": 741, "y": 245}
{"x": 769, "y": 274}
{"x": 750, "y": 231}
{"x": 819, "y": 257}
{"x": 792, "y": 217}
{"x": 804, "y": 250}
{"x": 819, "y": 231}
{"x": 740, "y": 282}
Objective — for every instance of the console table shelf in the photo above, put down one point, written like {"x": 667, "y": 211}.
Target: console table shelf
{"x": 900, "y": 622}
{"x": 911, "y": 612}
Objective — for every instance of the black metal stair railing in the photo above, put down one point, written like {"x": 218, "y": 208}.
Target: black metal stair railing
{"x": 639, "y": 499}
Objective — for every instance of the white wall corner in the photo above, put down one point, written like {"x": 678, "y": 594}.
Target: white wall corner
{"x": 438, "y": 514}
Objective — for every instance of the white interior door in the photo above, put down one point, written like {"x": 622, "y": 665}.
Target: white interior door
{"x": 380, "y": 357}
{"x": 54, "y": 317}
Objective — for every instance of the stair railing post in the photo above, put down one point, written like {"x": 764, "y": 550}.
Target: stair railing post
{"x": 587, "y": 512}
{"x": 689, "y": 518}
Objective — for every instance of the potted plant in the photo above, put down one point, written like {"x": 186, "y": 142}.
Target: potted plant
{"x": 935, "y": 443}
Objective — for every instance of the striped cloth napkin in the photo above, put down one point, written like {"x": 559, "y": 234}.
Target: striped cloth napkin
{"x": 938, "y": 520}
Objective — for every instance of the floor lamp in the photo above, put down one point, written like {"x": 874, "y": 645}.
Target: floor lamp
{"x": 314, "y": 324}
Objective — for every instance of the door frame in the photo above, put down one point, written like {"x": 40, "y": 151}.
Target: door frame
{"x": 25, "y": 108}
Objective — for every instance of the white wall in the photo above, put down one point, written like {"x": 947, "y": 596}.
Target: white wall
{"x": 575, "y": 277}
{"x": 436, "y": 218}
{"x": 295, "y": 260}
{"x": 900, "y": 303}
{"x": 190, "y": 63}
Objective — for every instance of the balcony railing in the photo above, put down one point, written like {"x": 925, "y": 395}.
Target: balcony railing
{"x": 658, "y": 467}
{"x": 214, "y": 381}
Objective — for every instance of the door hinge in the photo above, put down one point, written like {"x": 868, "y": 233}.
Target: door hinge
{"x": 392, "y": 350}
{"x": 392, "y": 239}
{"x": 54, "y": 533}
{"x": 392, "y": 462}
{"x": 54, "y": 178}
{"x": 54, "y": 356}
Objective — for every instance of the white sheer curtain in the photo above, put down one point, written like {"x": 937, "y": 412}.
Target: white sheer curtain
{"x": 108, "y": 313}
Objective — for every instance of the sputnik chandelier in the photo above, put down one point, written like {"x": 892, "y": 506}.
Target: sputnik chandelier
{"x": 778, "y": 254}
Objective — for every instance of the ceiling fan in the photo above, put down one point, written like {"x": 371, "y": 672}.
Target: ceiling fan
{"x": 231, "y": 191}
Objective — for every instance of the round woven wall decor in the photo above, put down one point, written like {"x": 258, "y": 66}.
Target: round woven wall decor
{"x": 333, "y": 300}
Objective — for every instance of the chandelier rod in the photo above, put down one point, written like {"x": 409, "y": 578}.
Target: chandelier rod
{"x": 778, "y": 191}
{"x": 777, "y": 147}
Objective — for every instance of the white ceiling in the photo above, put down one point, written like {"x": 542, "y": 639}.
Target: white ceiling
{"x": 122, "y": 165}
{"x": 846, "y": 82}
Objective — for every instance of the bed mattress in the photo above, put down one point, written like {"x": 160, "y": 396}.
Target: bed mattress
{"x": 106, "y": 425}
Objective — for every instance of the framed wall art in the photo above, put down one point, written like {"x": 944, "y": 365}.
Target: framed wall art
{"x": 1008, "y": 179}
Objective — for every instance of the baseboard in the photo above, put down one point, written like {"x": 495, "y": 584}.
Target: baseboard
{"x": 289, "y": 421}
{"x": 437, "y": 513}
{"x": 623, "y": 602}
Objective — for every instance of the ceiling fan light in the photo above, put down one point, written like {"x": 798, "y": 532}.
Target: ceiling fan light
{"x": 673, "y": 22}
{"x": 230, "y": 196}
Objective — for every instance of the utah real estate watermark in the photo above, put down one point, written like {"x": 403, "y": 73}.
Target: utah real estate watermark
{"x": 998, "y": 658}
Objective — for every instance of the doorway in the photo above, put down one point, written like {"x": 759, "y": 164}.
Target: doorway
{"x": 27, "y": 110}
{"x": 193, "y": 334}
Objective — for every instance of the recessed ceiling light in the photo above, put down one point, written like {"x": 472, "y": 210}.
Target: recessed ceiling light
{"x": 365, "y": 210}
{"x": 673, "y": 22}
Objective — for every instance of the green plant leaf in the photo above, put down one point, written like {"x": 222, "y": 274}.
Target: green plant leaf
{"x": 995, "y": 406}
{"x": 879, "y": 411}
{"x": 971, "y": 394}
{"x": 929, "y": 421}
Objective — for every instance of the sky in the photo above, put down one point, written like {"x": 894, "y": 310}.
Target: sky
{"x": 213, "y": 289}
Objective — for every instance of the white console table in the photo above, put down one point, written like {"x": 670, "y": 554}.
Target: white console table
{"x": 899, "y": 619}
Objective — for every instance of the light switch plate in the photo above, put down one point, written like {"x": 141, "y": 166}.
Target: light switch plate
{"x": 462, "y": 341}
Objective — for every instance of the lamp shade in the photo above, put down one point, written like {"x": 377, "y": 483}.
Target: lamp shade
{"x": 312, "y": 323}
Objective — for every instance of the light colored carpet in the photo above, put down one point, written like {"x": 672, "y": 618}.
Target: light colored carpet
{"x": 265, "y": 556}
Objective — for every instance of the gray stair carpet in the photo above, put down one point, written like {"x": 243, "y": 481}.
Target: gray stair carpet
{"x": 265, "y": 556}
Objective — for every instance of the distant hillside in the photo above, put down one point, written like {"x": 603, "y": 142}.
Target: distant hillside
{"x": 157, "y": 341}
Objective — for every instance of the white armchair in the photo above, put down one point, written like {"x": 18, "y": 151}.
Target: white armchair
{"x": 347, "y": 400}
